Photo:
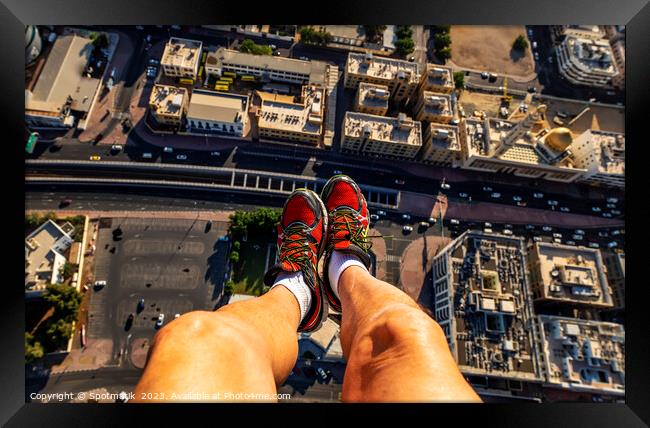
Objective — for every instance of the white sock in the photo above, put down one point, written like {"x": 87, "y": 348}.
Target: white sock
{"x": 338, "y": 263}
{"x": 295, "y": 282}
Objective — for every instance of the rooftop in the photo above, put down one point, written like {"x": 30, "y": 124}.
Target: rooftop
{"x": 476, "y": 133}
{"x": 167, "y": 100}
{"x": 373, "y": 96}
{"x": 401, "y": 129}
{"x": 608, "y": 149}
{"x": 382, "y": 67}
{"x": 437, "y": 75}
{"x": 217, "y": 106}
{"x": 444, "y": 136}
{"x": 491, "y": 306}
{"x": 437, "y": 104}
{"x": 63, "y": 76}
{"x": 571, "y": 274}
{"x": 592, "y": 55}
{"x": 304, "y": 117}
{"x": 315, "y": 70}
{"x": 182, "y": 53}
{"x": 583, "y": 355}
{"x": 43, "y": 252}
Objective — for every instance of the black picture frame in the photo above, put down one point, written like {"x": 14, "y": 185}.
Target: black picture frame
{"x": 14, "y": 14}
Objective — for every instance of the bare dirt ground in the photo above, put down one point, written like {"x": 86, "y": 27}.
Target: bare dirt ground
{"x": 489, "y": 48}
{"x": 472, "y": 101}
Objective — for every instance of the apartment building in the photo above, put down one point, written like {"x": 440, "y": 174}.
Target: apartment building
{"x": 602, "y": 155}
{"x": 437, "y": 78}
{"x": 217, "y": 113}
{"x": 401, "y": 77}
{"x": 396, "y": 137}
{"x": 433, "y": 107}
{"x": 168, "y": 104}
{"x": 181, "y": 58}
{"x": 615, "y": 264}
{"x": 372, "y": 99}
{"x": 587, "y": 62}
{"x": 281, "y": 120}
{"x": 441, "y": 145}
{"x": 45, "y": 250}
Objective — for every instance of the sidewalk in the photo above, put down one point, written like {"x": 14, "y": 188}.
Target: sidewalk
{"x": 185, "y": 215}
{"x": 519, "y": 79}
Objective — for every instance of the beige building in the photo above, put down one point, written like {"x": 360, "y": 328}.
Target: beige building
{"x": 280, "y": 119}
{"x": 568, "y": 275}
{"x": 397, "y": 137}
{"x": 582, "y": 356}
{"x": 45, "y": 250}
{"x": 586, "y": 62}
{"x": 437, "y": 78}
{"x": 217, "y": 113}
{"x": 168, "y": 104}
{"x": 181, "y": 58}
{"x": 372, "y": 99}
{"x": 401, "y": 77}
{"x": 602, "y": 155}
{"x": 441, "y": 145}
{"x": 615, "y": 263}
{"x": 434, "y": 107}
{"x": 527, "y": 148}
{"x": 62, "y": 86}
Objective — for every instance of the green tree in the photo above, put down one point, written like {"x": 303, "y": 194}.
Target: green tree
{"x": 67, "y": 270}
{"x": 441, "y": 40}
{"x": 236, "y": 245}
{"x": 249, "y": 46}
{"x": 58, "y": 332}
{"x": 310, "y": 36}
{"x": 520, "y": 43}
{"x": 441, "y": 28}
{"x": 33, "y": 349}
{"x": 51, "y": 215}
{"x": 444, "y": 54}
{"x": 459, "y": 79}
{"x": 403, "y": 32}
{"x": 404, "y": 47}
{"x": 99, "y": 40}
{"x": 229, "y": 287}
{"x": 234, "y": 256}
{"x": 33, "y": 220}
{"x": 374, "y": 33}
{"x": 64, "y": 299}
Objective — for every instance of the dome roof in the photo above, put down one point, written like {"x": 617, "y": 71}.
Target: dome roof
{"x": 559, "y": 139}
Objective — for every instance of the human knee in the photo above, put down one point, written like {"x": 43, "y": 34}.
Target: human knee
{"x": 187, "y": 327}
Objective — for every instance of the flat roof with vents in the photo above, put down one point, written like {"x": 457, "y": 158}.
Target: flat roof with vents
{"x": 401, "y": 130}
{"x": 217, "y": 106}
{"x": 182, "y": 53}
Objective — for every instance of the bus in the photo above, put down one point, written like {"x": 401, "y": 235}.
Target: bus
{"x": 222, "y": 83}
{"x": 248, "y": 78}
{"x": 221, "y": 88}
{"x": 230, "y": 74}
{"x": 200, "y": 73}
{"x": 227, "y": 79}
{"x": 31, "y": 142}
{"x": 205, "y": 54}
{"x": 186, "y": 81}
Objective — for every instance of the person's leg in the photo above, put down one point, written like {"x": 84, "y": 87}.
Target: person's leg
{"x": 395, "y": 351}
{"x": 244, "y": 347}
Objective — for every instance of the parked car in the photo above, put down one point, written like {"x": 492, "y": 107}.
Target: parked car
{"x": 616, "y": 232}
{"x": 495, "y": 195}
{"x": 607, "y": 215}
{"x": 181, "y": 157}
{"x": 454, "y": 222}
{"x": 161, "y": 319}
{"x": 507, "y": 232}
{"x": 564, "y": 209}
{"x": 399, "y": 181}
{"x": 604, "y": 234}
{"x": 547, "y": 228}
{"x": 374, "y": 217}
{"x": 552, "y": 202}
{"x": 445, "y": 186}
{"x": 100, "y": 284}
{"x": 424, "y": 224}
{"x": 612, "y": 244}
{"x": 381, "y": 212}
{"x": 521, "y": 204}
{"x": 116, "y": 147}
{"x": 516, "y": 198}
{"x": 578, "y": 237}
{"x": 140, "y": 306}
{"x": 487, "y": 189}
{"x": 538, "y": 195}
{"x": 147, "y": 155}
{"x": 557, "y": 240}
{"x": 612, "y": 200}
{"x": 594, "y": 245}
{"x": 177, "y": 315}
{"x": 611, "y": 206}
{"x": 530, "y": 227}
{"x": 215, "y": 154}
{"x": 463, "y": 195}
{"x": 557, "y": 235}
{"x": 304, "y": 58}
{"x": 616, "y": 212}
{"x": 487, "y": 230}
{"x": 95, "y": 158}
{"x": 168, "y": 149}
{"x": 485, "y": 75}
{"x": 407, "y": 229}
{"x": 321, "y": 374}
{"x": 486, "y": 224}
{"x": 596, "y": 209}
{"x": 337, "y": 172}
{"x": 406, "y": 216}
{"x": 570, "y": 243}
{"x": 64, "y": 203}
{"x": 129, "y": 321}
{"x": 537, "y": 238}
{"x": 432, "y": 221}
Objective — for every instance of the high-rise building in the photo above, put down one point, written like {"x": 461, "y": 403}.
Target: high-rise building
{"x": 437, "y": 78}
{"x": 441, "y": 145}
{"x": 433, "y": 107}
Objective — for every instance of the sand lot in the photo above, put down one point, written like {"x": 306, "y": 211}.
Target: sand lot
{"x": 489, "y": 47}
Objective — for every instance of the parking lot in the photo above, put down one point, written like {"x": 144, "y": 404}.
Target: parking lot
{"x": 175, "y": 265}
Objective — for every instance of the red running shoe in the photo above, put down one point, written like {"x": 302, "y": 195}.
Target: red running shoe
{"x": 348, "y": 231}
{"x": 301, "y": 242}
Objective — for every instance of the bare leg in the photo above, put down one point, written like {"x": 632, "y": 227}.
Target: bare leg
{"x": 395, "y": 351}
{"x": 244, "y": 347}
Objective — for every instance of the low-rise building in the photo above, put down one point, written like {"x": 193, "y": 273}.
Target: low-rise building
{"x": 397, "y": 137}
{"x": 581, "y": 355}
{"x": 483, "y": 304}
{"x": 45, "y": 250}
{"x": 280, "y": 119}
{"x": 181, "y": 58}
{"x": 441, "y": 145}
{"x": 372, "y": 99}
{"x": 586, "y": 62}
{"x": 217, "y": 113}
{"x": 602, "y": 155}
{"x": 401, "y": 77}
{"x": 434, "y": 107}
{"x": 437, "y": 78}
{"x": 168, "y": 104}
{"x": 568, "y": 276}
{"x": 615, "y": 264}
{"x": 266, "y": 67}
{"x": 63, "y": 85}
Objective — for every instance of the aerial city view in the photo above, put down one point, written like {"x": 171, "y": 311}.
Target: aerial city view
{"x": 492, "y": 160}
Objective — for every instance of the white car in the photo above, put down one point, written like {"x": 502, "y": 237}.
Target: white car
{"x": 611, "y": 205}
{"x": 177, "y": 315}
{"x": 484, "y": 75}
{"x": 445, "y": 186}
{"x": 463, "y": 195}
{"x": 507, "y": 232}
{"x": 161, "y": 319}
{"x": 579, "y": 232}
{"x": 537, "y": 238}
{"x": 616, "y": 232}
{"x": 215, "y": 154}
{"x": 380, "y": 212}
{"x": 407, "y": 229}
{"x": 578, "y": 237}
{"x": 536, "y": 55}
{"x": 406, "y": 216}
{"x": 564, "y": 209}
{"x": 604, "y": 234}
{"x": 538, "y": 195}
{"x": 616, "y": 212}
{"x": 547, "y": 228}
{"x": 181, "y": 157}
{"x": 168, "y": 150}
{"x": 516, "y": 198}
{"x": 454, "y": 221}
{"x": 570, "y": 243}
{"x": 399, "y": 181}
{"x": 557, "y": 235}
{"x": 337, "y": 172}
{"x": 488, "y": 224}
{"x": 99, "y": 284}
{"x": 596, "y": 209}
{"x": 612, "y": 200}
{"x": 424, "y": 224}
{"x": 594, "y": 245}
{"x": 612, "y": 244}
{"x": 116, "y": 147}
{"x": 607, "y": 215}
{"x": 552, "y": 202}
{"x": 496, "y": 195}
{"x": 487, "y": 189}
